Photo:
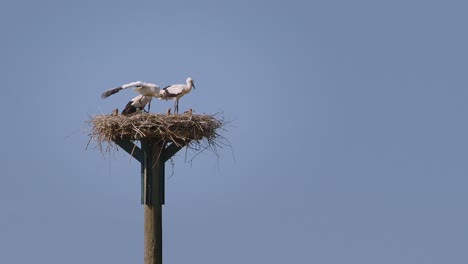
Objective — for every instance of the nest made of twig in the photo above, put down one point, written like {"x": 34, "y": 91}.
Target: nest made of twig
{"x": 197, "y": 132}
{"x": 168, "y": 128}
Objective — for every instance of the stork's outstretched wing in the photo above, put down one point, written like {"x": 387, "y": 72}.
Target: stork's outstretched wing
{"x": 110, "y": 92}
{"x": 117, "y": 89}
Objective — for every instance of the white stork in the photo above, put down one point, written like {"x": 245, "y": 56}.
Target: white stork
{"x": 176, "y": 91}
{"x": 137, "y": 104}
{"x": 146, "y": 89}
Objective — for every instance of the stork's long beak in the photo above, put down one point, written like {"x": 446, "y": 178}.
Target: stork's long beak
{"x": 193, "y": 84}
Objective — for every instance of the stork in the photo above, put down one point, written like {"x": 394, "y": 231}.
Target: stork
{"x": 176, "y": 91}
{"x": 146, "y": 89}
{"x": 136, "y": 104}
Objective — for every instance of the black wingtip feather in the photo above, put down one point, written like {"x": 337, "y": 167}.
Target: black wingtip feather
{"x": 168, "y": 94}
{"x": 110, "y": 92}
{"x": 129, "y": 109}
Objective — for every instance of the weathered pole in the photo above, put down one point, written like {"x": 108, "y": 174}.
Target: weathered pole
{"x": 153, "y": 206}
{"x": 152, "y": 155}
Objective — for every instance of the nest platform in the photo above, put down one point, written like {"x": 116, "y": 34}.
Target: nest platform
{"x": 161, "y": 127}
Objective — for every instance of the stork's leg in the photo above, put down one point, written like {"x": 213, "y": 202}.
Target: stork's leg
{"x": 149, "y": 105}
{"x": 175, "y": 106}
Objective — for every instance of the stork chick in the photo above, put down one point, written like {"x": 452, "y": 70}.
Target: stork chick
{"x": 137, "y": 104}
{"x": 176, "y": 91}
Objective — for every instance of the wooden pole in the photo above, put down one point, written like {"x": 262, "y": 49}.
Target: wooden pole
{"x": 152, "y": 155}
{"x": 153, "y": 209}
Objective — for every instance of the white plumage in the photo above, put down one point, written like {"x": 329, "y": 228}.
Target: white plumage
{"x": 176, "y": 91}
{"x": 136, "y": 104}
{"x": 146, "y": 90}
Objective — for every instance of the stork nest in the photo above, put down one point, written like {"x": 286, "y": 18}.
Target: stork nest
{"x": 199, "y": 131}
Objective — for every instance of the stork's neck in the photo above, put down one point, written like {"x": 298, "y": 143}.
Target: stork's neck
{"x": 189, "y": 85}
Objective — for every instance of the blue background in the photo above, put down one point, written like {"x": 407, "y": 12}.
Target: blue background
{"x": 348, "y": 133}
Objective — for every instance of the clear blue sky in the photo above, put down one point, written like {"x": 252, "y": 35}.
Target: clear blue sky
{"x": 349, "y": 130}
